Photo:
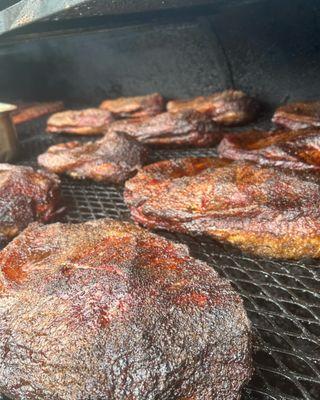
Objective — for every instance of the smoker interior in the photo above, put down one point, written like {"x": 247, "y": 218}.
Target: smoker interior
{"x": 267, "y": 49}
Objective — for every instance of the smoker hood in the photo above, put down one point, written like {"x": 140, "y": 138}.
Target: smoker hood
{"x": 15, "y": 14}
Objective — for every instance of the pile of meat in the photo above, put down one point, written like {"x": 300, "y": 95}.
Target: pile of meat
{"x": 29, "y": 111}
{"x": 106, "y": 310}
{"x": 294, "y": 145}
{"x": 135, "y": 107}
{"x": 26, "y": 195}
{"x": 148, "y": 119}
{"x": 262, "y": 195}
{"x": 127, "y": 121}
{"x": 284, "y": 148}
{"x": 112, "y": 159}
{"x": 90, "y": 121}
{"x": 266, "y": 211}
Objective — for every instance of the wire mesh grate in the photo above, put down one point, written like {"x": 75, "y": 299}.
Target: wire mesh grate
{"x": 282, "y": 298}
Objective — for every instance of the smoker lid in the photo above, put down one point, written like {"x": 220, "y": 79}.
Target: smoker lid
{"x": 15, "y": 14}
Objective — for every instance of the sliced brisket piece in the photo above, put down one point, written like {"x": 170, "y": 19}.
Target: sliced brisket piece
{"x": 90, "y": 121}
{"x": 107, "y": 310}
{"x": 287, "y": 149}
{"x": 188, "y": 128}
{"x": 231, "y": 107}
{"x": 137, "y": 107}
{"x": 112, "y": 159}
{"x": 298, "y": 115}
{"x": 26, "y": 196}
{"x": 265, "y": 211}
{"x": 29, "y": 111}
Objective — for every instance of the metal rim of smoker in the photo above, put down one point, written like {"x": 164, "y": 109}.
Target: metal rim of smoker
{"x": 282, "y": 298}
{"x": 20, "y": 13}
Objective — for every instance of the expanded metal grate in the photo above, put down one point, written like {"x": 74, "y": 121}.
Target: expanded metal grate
{"x": 282, "y": 298}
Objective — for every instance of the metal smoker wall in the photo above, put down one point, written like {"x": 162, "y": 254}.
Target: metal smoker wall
{"x": 274, "y": 55}
{"x": 270, "y": 49}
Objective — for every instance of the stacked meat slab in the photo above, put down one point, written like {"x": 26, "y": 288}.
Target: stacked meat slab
{"x": 107, "y": 310}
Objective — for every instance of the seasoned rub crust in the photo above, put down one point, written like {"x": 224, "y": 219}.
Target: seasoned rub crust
{"x": 136, "y": 107}
{"x": 298, "y": 115}
{"x": 188, "y": 128}
{"x": 298, "y": 149}
{"x": 266, "y": 211}
{"x": 104, "y": 309}
{"x": 112, "y": 159}
{"x": 231, "y": 107}
{"x": 29, "y": 111}
{"x": 90, "y": 121}
{"x": 26, "y": 195}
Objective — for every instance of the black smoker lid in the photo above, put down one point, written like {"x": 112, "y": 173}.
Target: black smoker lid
{"x": 15, "y": 14}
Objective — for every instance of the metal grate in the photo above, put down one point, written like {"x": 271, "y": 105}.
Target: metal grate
{"x": 282, "y": 298}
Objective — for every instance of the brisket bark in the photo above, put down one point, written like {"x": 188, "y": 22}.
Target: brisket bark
{"x": 231, "y": 107}
{"x": 112, "y": 159}
{"x": 26, "y": 195}
{"x": 106, "y": 310}
{"x": 90, "y": 121}
{"x": 287, "y": 149}
{"x": 298, "y": 115}
{"x": 136, "y": 107}
{"x": 30, "y": 111}
{"x": 188, "y": 128}
{"x": 266, "y": 211}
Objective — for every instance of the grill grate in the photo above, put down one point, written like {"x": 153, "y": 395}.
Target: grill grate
{"x": 282, "y": 298}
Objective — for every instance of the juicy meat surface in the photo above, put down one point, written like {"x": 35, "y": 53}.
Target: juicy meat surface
{"x": 231, "y": 107}
{"x": 265, "y": 211}
{"x": 137, "y": 107}
{"x": 112, "y": 159}
{"x": 90, "y": 121}
{"x": 107, "y": 310}
{"x": 188, "y": 128}
{"x": 26, "y": 196}
{"x": 29, "y": 111}
{"x": 298, "y": 115}
{"x": 298, "y": 149}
